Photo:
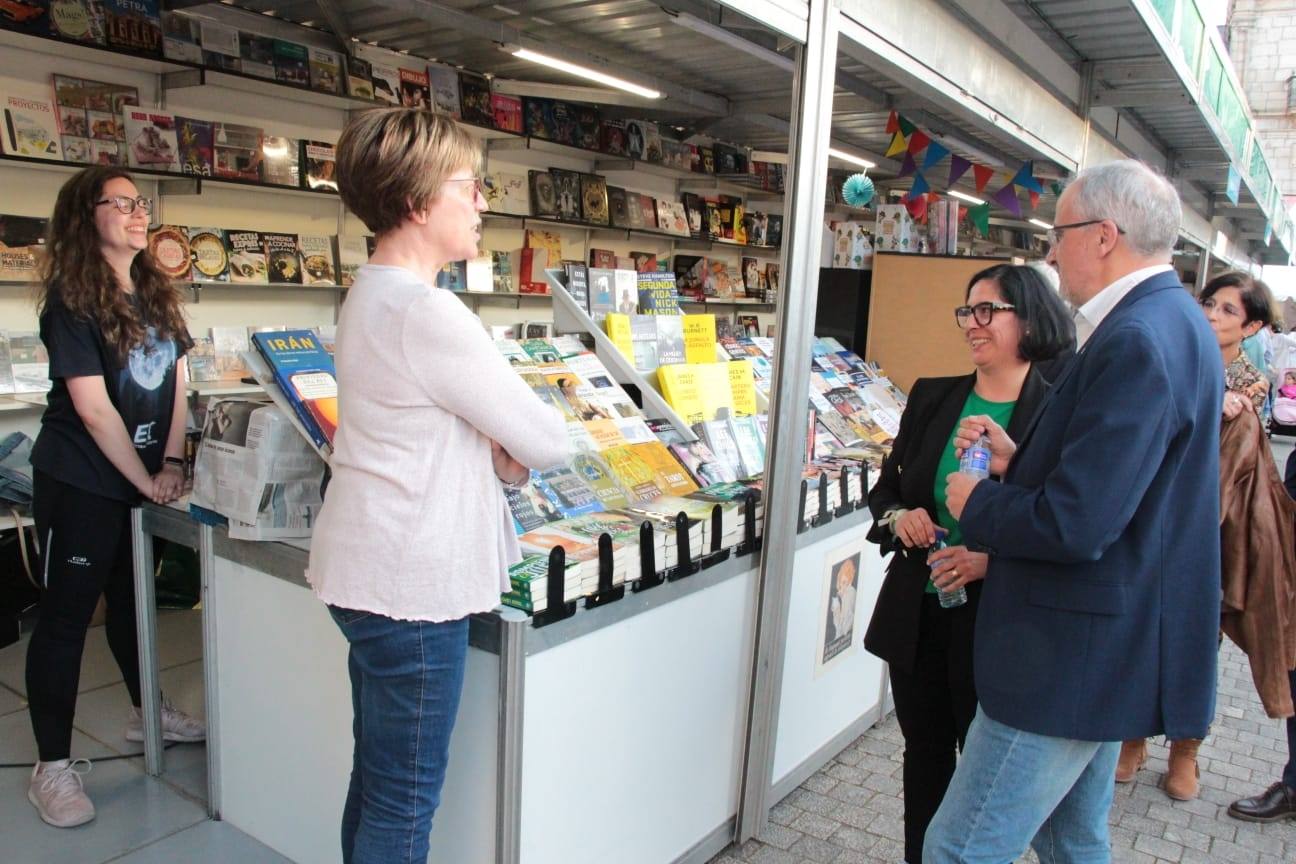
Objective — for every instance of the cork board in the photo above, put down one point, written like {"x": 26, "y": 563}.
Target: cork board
{"x": 911, "y": 329}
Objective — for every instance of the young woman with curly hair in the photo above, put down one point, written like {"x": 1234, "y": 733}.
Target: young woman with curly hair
{"x": 113, "y": 433}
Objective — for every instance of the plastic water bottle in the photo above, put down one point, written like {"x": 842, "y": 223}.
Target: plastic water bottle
{"x": 975, "y": 460}
{"x": 948, "y": 599}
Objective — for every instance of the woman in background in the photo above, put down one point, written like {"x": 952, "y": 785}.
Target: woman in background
{"x": 112, "y": 434}
{"x": 415, "y": 534}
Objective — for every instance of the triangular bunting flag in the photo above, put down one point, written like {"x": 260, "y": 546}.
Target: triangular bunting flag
{"x": 917, "y": 206}
{"x": 893, "y": 123}
{"x": 908, "y": 166}
{"x": 1057, "y": 188}
{"x": 906, "y": 128}
{"x": 917, "y": 141}
{"x": 935, "y": 153}
{"x": 958, "y": 167}
{"x": 920, "y": 185}
{"x": 1007, "y": 199}
{"x": 1034, "y": 196}
{"x": 1025, "y": 177}
{"x": 980, "y": 218}
{"x": 898, "y": 145}
{"x": 983, "y": 175}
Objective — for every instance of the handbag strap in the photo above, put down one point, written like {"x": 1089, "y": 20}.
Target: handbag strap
{"x": 23, "y": 552}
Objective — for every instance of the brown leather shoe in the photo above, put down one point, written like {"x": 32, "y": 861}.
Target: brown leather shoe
{"x": 1181, "y": 778}
{"x": 1132, "y": 756}
{"x": 1277, "y": 802}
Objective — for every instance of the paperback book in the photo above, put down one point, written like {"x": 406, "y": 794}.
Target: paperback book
{"x": 320, "y": 161}
{"x": 567, "y": 190}
{"x": 208, "y": 255}
{"x": 353, "y": 252}
{"x": 283, "y": 263}
{"x": 305, "y": 373}
{"x": 359, "y": 78}
{"x": 257, "y": 55}
{"x": 443, "y": 82}
{"x": 220, "y": 46}
{"x": 236, "y": 151}
{"x": 317, "y": 261}
{"x": 194, "y": 139}
{"x": 30, "y": 362}
{"x": 134, "y": 26}
{"x": 507, "y": 113}
{"x": 475, "y": 100}
{"x": 31, "y": 129}
{"x": 544, "y": 197}
{"x": 325, "y": 70}
{"x": 247, "y": 259}
{"x": 280, "y": 161}
{"x": 78, "y": 20}
{"x": 414, "y": 88}
{"x": 169, "y": 246}
{"x": 22, "y": 242}
{"x": 507, "y": 193}
{"x": 291, "y": 63}
{"x": 151, "y": 140}
{"x": 594, "y": 199}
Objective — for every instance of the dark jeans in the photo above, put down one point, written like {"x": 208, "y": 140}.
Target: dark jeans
{"x": 406, "y": 678}
{"x": 86, "y": 552}
{"x": 1289, "y": 773}
{"x": 935, "y": 705}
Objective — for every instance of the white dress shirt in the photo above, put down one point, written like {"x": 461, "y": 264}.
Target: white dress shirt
{"x": 1092, "y": 313}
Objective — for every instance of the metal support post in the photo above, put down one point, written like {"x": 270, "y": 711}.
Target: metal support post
{"x": 146, "y": 634}
{"x": 508, "y": 759}
{"x": 803, "y": 218}
{"x": 211, "y": 680}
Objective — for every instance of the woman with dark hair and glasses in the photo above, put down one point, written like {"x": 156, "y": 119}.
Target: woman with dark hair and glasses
{"x": 112, "y": 433}
{"x": 1012, "y": 320}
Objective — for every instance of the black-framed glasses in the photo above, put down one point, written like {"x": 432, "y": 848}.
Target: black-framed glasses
{"x": 1055, "y": 233}
{"x": 982, "y": 313}
{"x": 478, "y": 184}
{"x": 127, "y": 205}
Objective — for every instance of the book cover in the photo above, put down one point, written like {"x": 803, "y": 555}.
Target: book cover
{"x": 668, "y": 473}
{"x": 643, "y": 339}
{"x": 151, "y": 140}
{"x": 567, "y": 189}
{"x": 353, "y": 252}
{"x": 229, "y": 344}
{"x": 257, "y": 55}
{"x": 106, "y": 153}
{"x": 236, "y": 151}
{"x": 475, "y": 100}
{"x": 691, "y": 273}
{"x": 28, "y": 16}
{"x": 507, "y": 193}
{"x": 134, "y": 26}
{"x": 247, "y": 260}
{"x": 625, "y": 291}
{"x": 587, "y": 127}
{"x": 771, "y": 280}
{"x": 652, "y": 151}
{"x": 318, "y": 265}
{"x": 657, "y": 293}
{"x": 578, "y": 284}
{"x": 618, "y": 212}
{"x": 530, "y": 507}
{"x": 479, "y": 274}
{"x": 602, "y": 258}
{"x": 359, "y": 78}
{"x": 648, "y": 209}
{"x": 280, "y": 161}
{"x": 31, "y": 129}
{"x": 194, "y": 140}
{"x": 208, "y": 255}
{"x": 634, "y": 210}
{"x": 507, "y": 113}
{"x": 594, "y": 199}
{"x": 670, "y": 339}
{"x": 636, "y": 138}
{"x": 220, "y": 46}
{"x": 415, "y": 91}
{"x": 22, "y": 242}
{"x": 634, "y": 474}
{"x": 751, "y": 452}
{"x": 719, "y": 438}
{"x": 29, "y": 361}
{"x": 602, "y": 299}
{"x": 617, "y": 326}
{"x": 564, "y": 130}
{"x": 699, "y": 338}
{"x": 320, "y": 161}
{"x": 79, "y": 20}
{"x": 544, "y": 197}
{"x": 751, "y": 273}
{"x": 201, "y": 360}
{"x": 453, "y": 276}
{"x": 774, "y": 230}
{"x": 612, "y": 135}
{"x": 671, "y": 218}
{"x": 78, "y": 150}
{"x": 291, "y": 63}
{"x": 568, "y": 492}
{"x": 538, "y": 117}
{"x": 305, "y": 373}
{"x": 502, "y": 272}
{"x": 283, "y": 261}
{"x": 443, "y": 82}
{"x": 547, "y": 240}
{"x": 169, "y": 246}
{"x": 386, "y": 81}
{"x": 325, "y": 70}
{"x": 702, "y": 465}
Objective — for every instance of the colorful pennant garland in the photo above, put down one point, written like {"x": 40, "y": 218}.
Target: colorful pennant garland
{"x": 958, "y": 167}
{"x": 980, "y": 218}
{"x": 917, "y": 141}
{"x": 893, "y": 123}
{"x": 920, "y": 185}
{"x": 1007, "y": 199}
{"x": 908, "y": 166}
{"x": 935, "y": 153}
{"x": 906, "y": 128}
{"x": 983, "y": 175}
{"x": 1025, "y": 177}
{"x": 898, "y": 145}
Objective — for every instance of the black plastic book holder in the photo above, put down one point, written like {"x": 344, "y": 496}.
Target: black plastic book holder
{"x": 843, "y": 486}
{"x": 557, "y": 608}
{"x": 607, "y": 592}
{"x": 749, "y": 543}
{"x": 648, "y": 575}
{"x": 825, "y": 515}
{"x": 686, "y": 566}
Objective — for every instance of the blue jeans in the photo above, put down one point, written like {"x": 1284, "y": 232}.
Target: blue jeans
{"x": 1012, "y": 786}
{"x": 406, "y": 678}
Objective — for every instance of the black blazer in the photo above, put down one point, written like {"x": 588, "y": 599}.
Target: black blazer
{"x": 907, "y": 479}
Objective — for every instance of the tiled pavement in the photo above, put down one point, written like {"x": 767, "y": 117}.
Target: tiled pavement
{"x": 852, "y": 811}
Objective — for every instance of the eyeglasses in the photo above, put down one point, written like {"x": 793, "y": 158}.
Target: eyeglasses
{"x": 982, "y": 313}
{"x": 1225, "y": 308}
{"x": 1055, "y": 233}
{"x": 479, "y": 184}
{"x": 127, "y": 205}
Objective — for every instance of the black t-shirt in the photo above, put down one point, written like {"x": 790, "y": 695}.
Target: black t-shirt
{"x": 142, "y": 390}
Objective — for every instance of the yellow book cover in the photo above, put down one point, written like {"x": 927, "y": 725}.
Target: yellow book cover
{"x": 679, "y": 385}
{"x": 699, "y": 339}
{"x": 668, "y": 473}
{"x": 605, "y": 434}
{"x": 743, "y": 386}
{"x": 633, "y": 472}
{"x": 715, "y": 389}
{"x": 546, "y": 240}
{"x": 618, "y": 330}
{"x": 739, "y": 229}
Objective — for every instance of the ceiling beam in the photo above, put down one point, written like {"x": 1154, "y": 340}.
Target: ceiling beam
{"x": 337, "y": 24}
{"x": 1122, "y": 97}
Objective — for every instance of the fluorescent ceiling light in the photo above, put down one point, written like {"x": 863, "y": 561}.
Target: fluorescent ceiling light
{"x": 963, "y": 196}
{"x": 1042, "y": 224}
{"x": 738, "y": 43}
{"x": 848, "y": 157}
{"x": 583, "y": 72}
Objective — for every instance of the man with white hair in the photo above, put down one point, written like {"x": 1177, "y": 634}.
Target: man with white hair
{"x": 1100, "y": 611}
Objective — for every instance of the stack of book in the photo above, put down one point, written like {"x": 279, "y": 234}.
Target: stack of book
{"x": 529, "y": 581}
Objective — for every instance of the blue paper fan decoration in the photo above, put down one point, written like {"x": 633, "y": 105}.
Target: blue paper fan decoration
{"x": 857, "y": 191}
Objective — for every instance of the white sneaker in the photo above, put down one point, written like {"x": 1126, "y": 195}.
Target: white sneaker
{"x": 176, "y": 726}
{"x": 58, "y": 795}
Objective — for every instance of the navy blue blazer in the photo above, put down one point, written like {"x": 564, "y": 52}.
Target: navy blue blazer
{"x": 1101, "y": 607}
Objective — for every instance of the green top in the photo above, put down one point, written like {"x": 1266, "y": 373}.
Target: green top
{"x": 1001, "y": 413}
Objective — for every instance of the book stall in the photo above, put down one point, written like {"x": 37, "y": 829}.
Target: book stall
{"x": 683, "y": 638}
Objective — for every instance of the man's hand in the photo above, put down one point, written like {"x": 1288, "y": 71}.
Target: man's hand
{"x": 1002, "y": 447}
{"x": 955, "y": 567}
{"x": 507, "y": 468}
{"x": 168, "y": 484}
{"x": 957, "y": 489}
{"x": 915, "y": 528}
{"x": 1235, "y": 403}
